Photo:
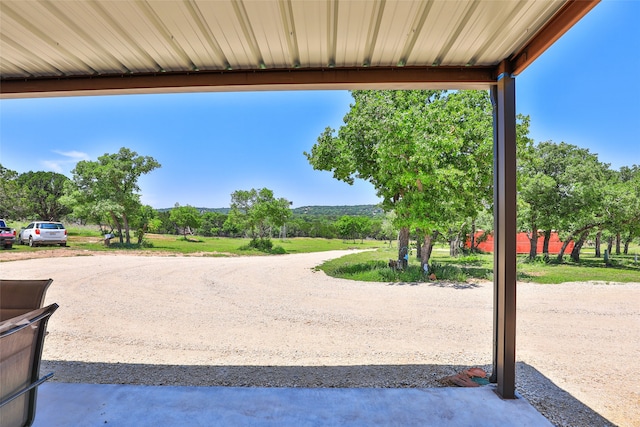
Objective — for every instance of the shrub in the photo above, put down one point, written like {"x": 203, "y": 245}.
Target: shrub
{"x": 132, "y": 246}
{"x": 351, "y": 269}
{"x": 469, "y": 260}
{"x": 410, "y": 274}
{"x": 538, "y": 260}
{"x": 278, "y": 250}
{"x": 448, "y": 272}
{"x": 146, "y": 244}
{"x": 264, "y": 245}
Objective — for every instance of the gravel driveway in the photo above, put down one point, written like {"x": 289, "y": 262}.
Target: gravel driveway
{"x": 273, "y": 321}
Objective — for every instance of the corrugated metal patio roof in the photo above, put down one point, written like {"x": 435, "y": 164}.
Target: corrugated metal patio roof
{"x": 183, "y": 45}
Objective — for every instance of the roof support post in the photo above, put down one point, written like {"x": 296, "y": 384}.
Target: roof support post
{"x": 503, "y": 97}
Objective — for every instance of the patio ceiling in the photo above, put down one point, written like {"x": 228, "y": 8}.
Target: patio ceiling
{"x": 57, "y": 48}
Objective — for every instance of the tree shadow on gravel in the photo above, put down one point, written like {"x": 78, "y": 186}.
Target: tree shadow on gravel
{"x": 453, "y": 285}
{"x": 405, "y": 283}
{"x": 559, "y": 406}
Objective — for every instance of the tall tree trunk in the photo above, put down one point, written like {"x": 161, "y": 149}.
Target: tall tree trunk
{"x": 580, "y": 231}
{"x": 427, "y": 248}
{"x": 433, "y": 240}
{"x": 403, "y": 246}
{"x": 626, "y": 244}
{"x": 564, "y": 247}
{"x": 533, "y": 242}
{"x": 141, "y": 234}
{"x": 618, "y": 243}
{"x": 472, "y": 242}
{"x": 609, "y": 244}
{"x": 418, "y": 246}
{"x": 575, "y": 253}
{"x": 457, "y": 245}
{"x": 545, "y": 244}
{"x": 117, "y": 223}
{"x": 598, "y": 242}
{"x": 126, "y": 228}
{"x": 453, "y": 241}
{"x": 454, "y": 246}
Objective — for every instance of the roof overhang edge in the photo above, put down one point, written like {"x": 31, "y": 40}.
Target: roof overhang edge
{"x": 254, "y": 80}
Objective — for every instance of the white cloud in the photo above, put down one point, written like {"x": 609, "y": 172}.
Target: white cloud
{"x": 68, "y": 162}
{"x": 76, "y": 155}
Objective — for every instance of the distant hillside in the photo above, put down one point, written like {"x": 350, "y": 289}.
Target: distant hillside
{"x": 201, "y": 210}
{"x": 327, "y": 211}
{"x": 338, "y": 211}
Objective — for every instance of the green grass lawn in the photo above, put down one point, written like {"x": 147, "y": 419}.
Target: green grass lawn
{"x": 372, "y": 265}
{"x": 89, "y": 239}
{"x": 623, "y": 269}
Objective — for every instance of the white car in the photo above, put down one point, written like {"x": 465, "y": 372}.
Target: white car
{"x": 43, "y": 233}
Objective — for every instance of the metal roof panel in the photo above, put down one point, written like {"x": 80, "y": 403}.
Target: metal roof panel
{"x": 79, "y": 39}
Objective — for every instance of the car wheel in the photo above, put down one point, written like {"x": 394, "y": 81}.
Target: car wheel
{"x": 63, "y": 244}
{"x": 7, "y": 246}
{"x": 31, "y": 241}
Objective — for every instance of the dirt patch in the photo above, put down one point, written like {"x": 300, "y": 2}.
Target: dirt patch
{"x": 15, "y": 255}
{"x": 274, "y": 321}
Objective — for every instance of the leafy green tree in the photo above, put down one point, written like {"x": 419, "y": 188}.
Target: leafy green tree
{"x": 482, "y": 223}
{"x": 298, "y": 226}
{"x": 10, "y": 194}
{"x": 256, "y": 211}
{"x": 540, "y": 175}
{"x": 109, "y": 187}
{"x": 566, "y": 188}
{"x": 375, "y": 231}
{"x": 388, "y": 230}
{"x": 41, "y": 193}
{"x": 232, "y": 226}
{"x": 428, "y": 154}
{"x": 311, "y": 226}
{"x": 279, "y": 212}
{"x": 346, "y": 227}
{"x": 579, "y": 190}
{"x": 164, "y": 225}
{"x": 632, "y": 181}
{"x": 622, "y": 206}
{"x": 155, "y": 224}
{"x": 353, "y": 227}
{"x": 212, "y": 224}
{"x": 363, "y": 227}
{"x": 104, "y": 213}
{"x": 186, "y": 218}
{"x": 144, "y": 220}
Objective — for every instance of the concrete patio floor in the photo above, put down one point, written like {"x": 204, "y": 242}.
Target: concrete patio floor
{"x": 65, "y": 404}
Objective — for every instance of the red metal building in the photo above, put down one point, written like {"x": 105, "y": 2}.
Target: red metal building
{"x": 522, "y": 243}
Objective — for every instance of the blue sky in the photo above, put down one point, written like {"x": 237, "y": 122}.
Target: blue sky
{"x": 584, "y": 90}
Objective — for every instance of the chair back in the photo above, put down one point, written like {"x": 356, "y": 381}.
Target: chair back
{"x": 21, "y": 296}
{"x": 21, "y": 342}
